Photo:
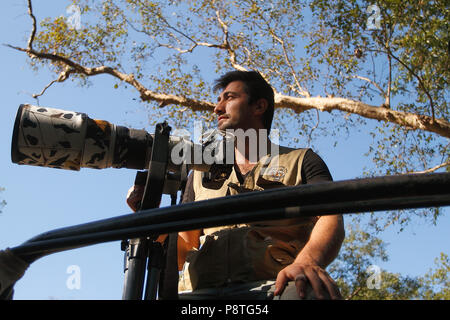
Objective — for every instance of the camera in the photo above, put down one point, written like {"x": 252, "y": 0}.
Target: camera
{"x": 56, "y": 138}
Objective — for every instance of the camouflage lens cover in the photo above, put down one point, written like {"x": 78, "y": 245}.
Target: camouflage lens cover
{"x": 48, "y": 137}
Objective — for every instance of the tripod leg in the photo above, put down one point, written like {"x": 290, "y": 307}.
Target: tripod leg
{"x": 138, "y": 248}
{"x": 135, "y": 263}
{"x": 155, "y": 265}
{"x": 168, "y": 284}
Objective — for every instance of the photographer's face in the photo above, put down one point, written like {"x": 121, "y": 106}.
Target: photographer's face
{"x": 232, "y": 108}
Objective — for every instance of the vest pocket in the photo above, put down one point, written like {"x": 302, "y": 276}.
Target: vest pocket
{"x": 283, "y": 253}
{"x": 203, "y": 267}
{"x": 270, "y": 255}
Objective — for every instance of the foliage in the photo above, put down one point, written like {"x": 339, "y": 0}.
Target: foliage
{"x": 305, "y": 49}
{"x": 435, "y": 285}
{"x": 355, "y": 271}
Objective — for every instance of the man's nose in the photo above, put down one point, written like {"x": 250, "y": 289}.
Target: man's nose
{"x": 219, "y": 108}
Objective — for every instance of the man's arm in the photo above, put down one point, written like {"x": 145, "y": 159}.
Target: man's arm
{"x": 322, "y": 247}
{"x": 187, "y": 240}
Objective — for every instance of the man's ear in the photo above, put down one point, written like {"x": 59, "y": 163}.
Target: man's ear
{"x": 260, "y": 107}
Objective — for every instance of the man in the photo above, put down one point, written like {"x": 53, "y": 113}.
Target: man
{"x": 285, "y": 259}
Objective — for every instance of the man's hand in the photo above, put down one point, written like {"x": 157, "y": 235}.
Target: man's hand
{"x": 308, "y": 268}
{"x": 304, "y": 274}
{"x": 134, "y": 196}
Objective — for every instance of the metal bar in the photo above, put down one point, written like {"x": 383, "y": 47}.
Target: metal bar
{"x": 344, "y": 207}
{"x": 331, "y": 192}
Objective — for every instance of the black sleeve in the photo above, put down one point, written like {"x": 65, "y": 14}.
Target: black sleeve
{"x": 189, "y": 195}
{"x": 314, "y": 169}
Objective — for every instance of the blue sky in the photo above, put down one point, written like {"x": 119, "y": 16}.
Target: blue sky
{"x": 42, "y": 199}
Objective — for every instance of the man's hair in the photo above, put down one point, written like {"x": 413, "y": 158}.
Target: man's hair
{"x": 256, "y": 88}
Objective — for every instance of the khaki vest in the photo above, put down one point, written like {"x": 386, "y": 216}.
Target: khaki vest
{"x": 248, "y": 252}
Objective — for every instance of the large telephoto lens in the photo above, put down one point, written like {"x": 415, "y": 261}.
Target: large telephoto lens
{"x": 62, "y": 139}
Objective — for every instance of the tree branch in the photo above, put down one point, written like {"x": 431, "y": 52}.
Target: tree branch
{"x": 61, "y": 78}
{"x": 354, "y": 293}
{"x": 189, "y": 50}
{"x": 300, "y": 90}
{"x": 303, "y": 92}
{"x": 419, "y": 79}
{"x": 33, "y": 30}
{"x": 195, "y": 43}
{"x": 385, "y": 96}
{"x": 432, "y": 169}
{"x": 146, "y": 95}
{"x": 387, "y": 101}
{"x": 314, "y": 128}
{"x": 406, "y": 119}
{"x": 226, "y": 44}
{"x": 411, "y": 120}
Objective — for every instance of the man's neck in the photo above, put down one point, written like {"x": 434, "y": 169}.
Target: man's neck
{"x": 245, "y": 168}
{"x": 246, "y": 157}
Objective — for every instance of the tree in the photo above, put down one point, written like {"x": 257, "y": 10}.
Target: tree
{"x": 435, "y": 284}
{"x": 340, "y": 58}
{"x": 360, "y": 278}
